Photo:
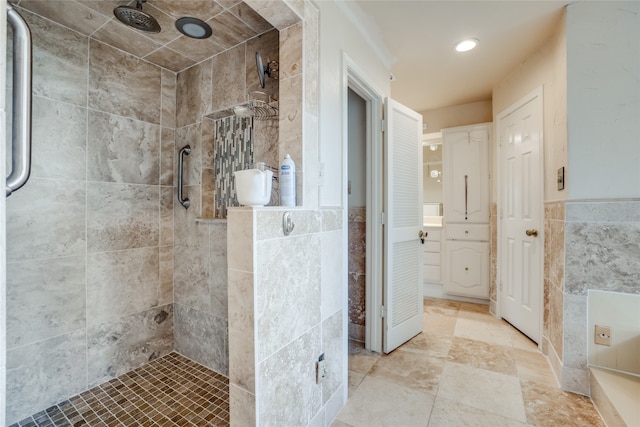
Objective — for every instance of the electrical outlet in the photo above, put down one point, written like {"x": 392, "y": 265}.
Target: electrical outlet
{"x": 321, "y": 369}
{"x": 603, "y": 335}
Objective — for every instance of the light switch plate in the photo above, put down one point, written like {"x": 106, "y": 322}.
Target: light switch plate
{"x": 561, "y": 178}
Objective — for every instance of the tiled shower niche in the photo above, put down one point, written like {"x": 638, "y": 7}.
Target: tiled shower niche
{"x": 233, "y": 147}
{"x": 233, "y": 151}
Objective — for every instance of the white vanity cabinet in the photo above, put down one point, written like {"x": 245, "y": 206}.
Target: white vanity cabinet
{"x": 466, "y": 266}
{"x": 466, "y": 174}
{"x": 432, "y": 255}
{"x": 466, "y": 210}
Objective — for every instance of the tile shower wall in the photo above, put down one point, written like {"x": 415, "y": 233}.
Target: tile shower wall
{"x": 200, "y": 268}
{"x": 357, "y": 270}
{"x": 291, "y": 99}
{"x": 90, "y": 238}
{"x": 294, "y": 317}
{"x": 272, "y": 383}
{"x": 206, "y": 93}
{"x": 200, "y": 282}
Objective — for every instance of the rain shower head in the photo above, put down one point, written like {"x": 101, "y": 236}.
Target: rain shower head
{"x": 136, "y": 18}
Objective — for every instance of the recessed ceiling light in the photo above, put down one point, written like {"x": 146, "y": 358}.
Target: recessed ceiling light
{"x": 193, "y": 27}
{"x": 466, "y": 45}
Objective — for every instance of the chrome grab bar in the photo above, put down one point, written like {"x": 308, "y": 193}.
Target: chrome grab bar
{"x": 184, "y": 150}
{"x": 21, "y": 134}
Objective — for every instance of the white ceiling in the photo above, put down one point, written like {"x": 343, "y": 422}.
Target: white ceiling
{"x": 421, "y": 34}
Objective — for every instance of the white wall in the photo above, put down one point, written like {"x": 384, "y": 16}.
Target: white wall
{"x": 338, "y": 36}
{"x": 357, "y": 152}
{"x": 603, "y": 44}
{"x": 457, "y": 115}
{"x": 546, "y": 68}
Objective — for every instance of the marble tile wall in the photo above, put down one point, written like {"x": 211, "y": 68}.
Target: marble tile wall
{"x": 232, "y": 22}
{"x": 294, "y": 317}
{"x": 601, "y": 253}
{"x": 200, "y": 273}
{"x": 200, "y": 288}
{"x": 554, "y": 266}
{"x": 292, "y": 105}
{"x": 357, "y": 270}
{"x": 90, "y": 238}
{"x": 589, "y": 246}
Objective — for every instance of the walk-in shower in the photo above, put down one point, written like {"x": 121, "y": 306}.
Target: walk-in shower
{"x": 108, "y": 276}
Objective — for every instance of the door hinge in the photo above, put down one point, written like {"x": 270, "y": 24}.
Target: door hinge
{"x": 383, "y": 218}
{"x": 383, "y": 311}
{"x": 383, "y": 124}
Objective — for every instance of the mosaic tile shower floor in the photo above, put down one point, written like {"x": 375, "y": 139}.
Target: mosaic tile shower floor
{"x": 169, "y": 391}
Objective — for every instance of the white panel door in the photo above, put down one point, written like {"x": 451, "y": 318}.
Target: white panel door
{"x": 521, "y": 206}
{"x": 403, "y": 209}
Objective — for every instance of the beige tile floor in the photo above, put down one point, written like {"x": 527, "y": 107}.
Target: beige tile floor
{"x": 466, "y": 368}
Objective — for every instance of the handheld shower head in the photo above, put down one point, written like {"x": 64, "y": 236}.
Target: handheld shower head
{"x": 271, "y": 69}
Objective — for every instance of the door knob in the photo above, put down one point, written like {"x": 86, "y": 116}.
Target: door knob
{"x": 533, "y": 232}
{"x": 422, "y": 235}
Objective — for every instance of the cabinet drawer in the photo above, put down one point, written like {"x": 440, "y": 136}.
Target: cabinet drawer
{"x": 431, "y": 246}
{"x": 433, "y": 235}
{"x": 432, "y": 273}
{"x": 467, "y": 232}
{"x": 431, "y": 258}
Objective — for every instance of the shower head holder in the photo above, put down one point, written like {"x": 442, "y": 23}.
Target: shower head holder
{"x": 271, "y": 69}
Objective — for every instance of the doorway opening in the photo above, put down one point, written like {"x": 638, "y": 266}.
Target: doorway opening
{"x": 362, "y": 199}
{"x": 357, "y": 215}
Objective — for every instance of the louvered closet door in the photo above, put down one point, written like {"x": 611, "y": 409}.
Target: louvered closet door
{"x": 403, "y": 208}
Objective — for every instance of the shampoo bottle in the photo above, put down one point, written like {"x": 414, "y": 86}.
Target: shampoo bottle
{"x": 287, "y": 182}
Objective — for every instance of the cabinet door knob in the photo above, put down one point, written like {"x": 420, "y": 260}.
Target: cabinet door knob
{"x": 422, "y": 235}
{"x": 533, "y": 232}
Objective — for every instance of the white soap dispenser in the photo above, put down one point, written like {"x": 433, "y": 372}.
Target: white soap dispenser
{"x": 287, "y": 182}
